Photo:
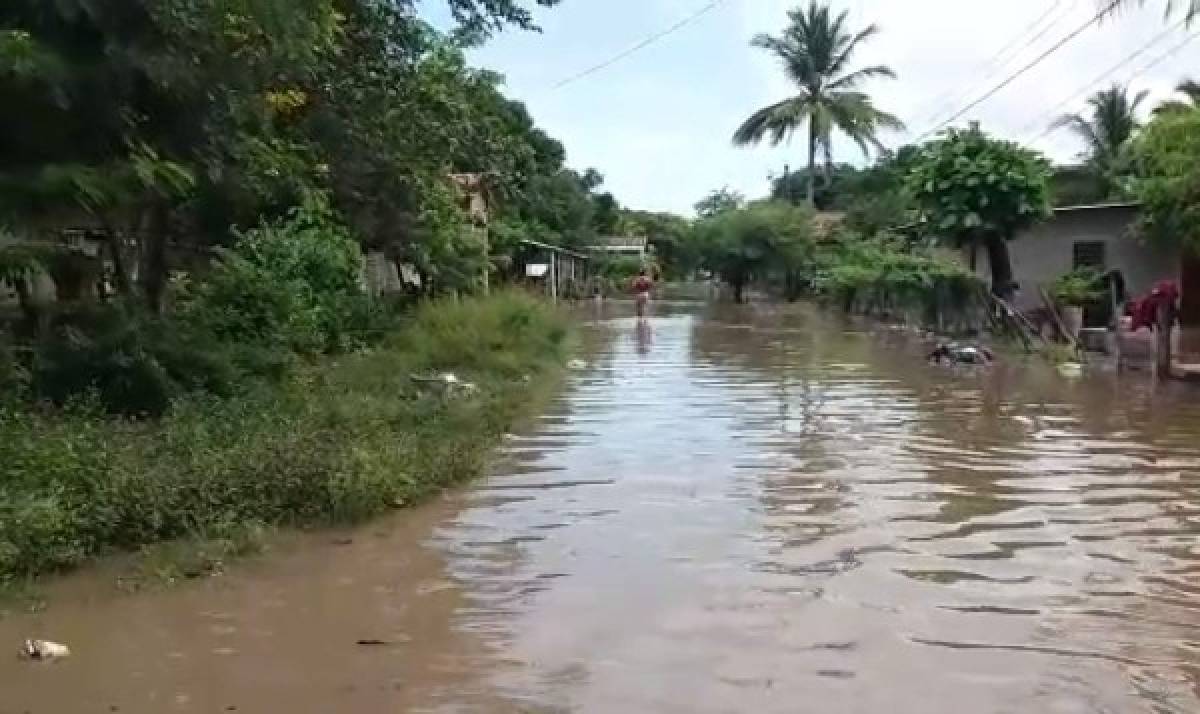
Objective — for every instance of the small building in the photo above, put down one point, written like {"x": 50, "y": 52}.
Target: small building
{"x": 1100, "y": 236}
{"x": 562, "y": 272}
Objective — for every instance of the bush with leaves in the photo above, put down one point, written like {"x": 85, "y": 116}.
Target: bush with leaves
{"x": 293, "y": 283}
{"x": 890, "y": 277}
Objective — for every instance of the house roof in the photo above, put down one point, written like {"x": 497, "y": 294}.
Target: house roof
{"x": 553, "y": 248}
{"x": 620, "y": 242}
{"x": 1097, "y": 207}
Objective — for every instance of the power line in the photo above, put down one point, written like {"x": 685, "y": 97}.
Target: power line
{"x": 1154, "y": 63}
{"x": 643, "y": 44}
{"x": 1021, "y": 72}
{"x": 1102, "y": 76}
{"x": 946, "y": 100}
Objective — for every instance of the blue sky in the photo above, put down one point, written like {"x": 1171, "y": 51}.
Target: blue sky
{"x": 657, "y": 124}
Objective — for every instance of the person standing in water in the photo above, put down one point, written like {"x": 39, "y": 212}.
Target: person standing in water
{"x": 642, "y": 285}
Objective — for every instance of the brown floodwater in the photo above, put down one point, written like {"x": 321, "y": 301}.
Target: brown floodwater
{"x": 728, "y": 511}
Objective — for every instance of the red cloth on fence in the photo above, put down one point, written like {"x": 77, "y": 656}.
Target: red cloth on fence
{"x": 1145, "y": 309}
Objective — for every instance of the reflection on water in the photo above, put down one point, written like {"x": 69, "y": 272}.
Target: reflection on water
{"x": 729, "y": 511}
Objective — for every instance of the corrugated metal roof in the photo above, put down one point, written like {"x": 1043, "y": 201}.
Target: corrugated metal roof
{"x": 1098, "y": 206}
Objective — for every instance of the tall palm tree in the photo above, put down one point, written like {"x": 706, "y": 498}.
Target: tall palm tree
{"x": 1190, "y": 88}
{"x": 816, "y": 50}
{"x": 1106, "y": 128}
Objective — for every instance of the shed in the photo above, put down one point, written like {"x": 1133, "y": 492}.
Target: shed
{"x": 565, "y": 272}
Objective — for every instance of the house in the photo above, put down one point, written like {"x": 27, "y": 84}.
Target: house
{"x": 560, "y": 272}
{"x": 1101, "y": 236}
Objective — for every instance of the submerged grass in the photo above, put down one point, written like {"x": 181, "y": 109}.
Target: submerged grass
{"x": 341, "y": 441}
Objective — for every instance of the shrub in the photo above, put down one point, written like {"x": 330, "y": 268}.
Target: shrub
{"x": 345, "y": 439}
{"x": 1079, "y": 287}
{"x": 136, "y": 365}
{"x": 294, "y": 283}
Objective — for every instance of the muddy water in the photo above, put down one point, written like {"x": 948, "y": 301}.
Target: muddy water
{"x": 726, "y": 512}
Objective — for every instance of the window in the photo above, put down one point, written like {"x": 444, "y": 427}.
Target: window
{"x": 1089, "y": 254}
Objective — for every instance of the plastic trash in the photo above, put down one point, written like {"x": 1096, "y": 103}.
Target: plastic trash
{"x": 44, "y": 650}
{"x": 449, "y": 384}
{"x": 577, "y": 364}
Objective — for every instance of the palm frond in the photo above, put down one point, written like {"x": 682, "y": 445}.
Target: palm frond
{"x": 852, "y": 80}
{"x": 1191, "y": 8}
{"x": 851, "y": 46}
{"x": 1190, "y": 88}
{"x": 774, "y": 123}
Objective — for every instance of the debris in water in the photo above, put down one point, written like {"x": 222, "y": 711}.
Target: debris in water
{"x": 44, "y": 650}
{"x": 577, "y": 364}
{"x": 959, "y": 354}
{"x": 373, "y": 643}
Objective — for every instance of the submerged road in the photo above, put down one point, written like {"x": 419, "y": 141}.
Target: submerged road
{"x": 727, "y": 511}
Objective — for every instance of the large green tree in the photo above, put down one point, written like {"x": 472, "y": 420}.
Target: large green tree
{"x": 765, "y": 240}
{"x": 976, "y": 191}
{"x": 817, "y": 51}
{"x": 721, "y": 200}
{"x": 174, "y": 120}
{"x": 1106, "y": 128}
{"x": 1167, "y": 159}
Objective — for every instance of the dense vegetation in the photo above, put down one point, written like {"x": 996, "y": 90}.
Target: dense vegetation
{"x": 219, "y": 363}
{"x": 332, "y": 443}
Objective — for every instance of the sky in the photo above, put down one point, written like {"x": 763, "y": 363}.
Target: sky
{"x": 657, "y": 124}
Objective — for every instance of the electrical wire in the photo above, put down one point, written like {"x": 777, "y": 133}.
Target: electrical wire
{"x": 1104, "y": 12}
{"x": 1154, "y": 63}
{"x": 1036, "y": 123}
{"x": 946, "y": 100}
{"x": 642, "y": 45}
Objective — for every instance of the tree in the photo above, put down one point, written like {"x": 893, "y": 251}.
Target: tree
{"x": 973, "y": 190}
{"x": 1190, "y": 88}
{"x": 1190, "y": 8}
{"x": 768, "y": 239}
{"x": 816, "y": 51}
{"x": 1167, "y": 158}
{"x": 672, "y": 237}
{"x": 1106, "y": 130}
{"x": 719, "y": 201}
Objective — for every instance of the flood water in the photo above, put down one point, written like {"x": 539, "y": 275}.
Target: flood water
{"x": 728, "y": 511}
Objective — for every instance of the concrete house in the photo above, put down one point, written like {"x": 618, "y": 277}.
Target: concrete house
{"x": 1103, "y": 237}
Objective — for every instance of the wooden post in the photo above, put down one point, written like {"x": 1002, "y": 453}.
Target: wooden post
{"x": 553, "y": 277}
{"x": 1162, "y": 341}
{"x": 1117, "y": 316}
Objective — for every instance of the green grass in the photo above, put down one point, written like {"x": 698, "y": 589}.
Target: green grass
{"x": 338, "y": 442}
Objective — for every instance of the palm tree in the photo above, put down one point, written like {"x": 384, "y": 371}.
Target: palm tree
{"x": 1191, "y": 8}
{"x": 1190, "y": 88}
{"x": 1106, "y": 129}
{"x": 816, "y": 50}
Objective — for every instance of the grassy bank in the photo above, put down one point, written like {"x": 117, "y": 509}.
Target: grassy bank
{"x": 338, "y": 441}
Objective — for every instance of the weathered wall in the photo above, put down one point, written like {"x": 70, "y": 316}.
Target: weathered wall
{"x": 1040, "y": 255}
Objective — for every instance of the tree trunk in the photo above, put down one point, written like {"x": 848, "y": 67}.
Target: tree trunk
{"x": 812, "y": 164}
{"x": 117, "y": 254}
{"x": 154, "y": 280}
{"x": 739, "y": 292}
{"x": 31, "y": 307}
{"x": 1001, "y": 266}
